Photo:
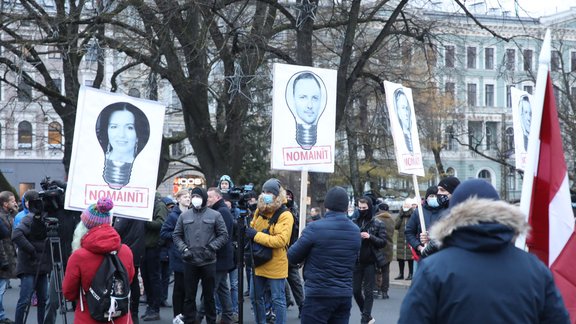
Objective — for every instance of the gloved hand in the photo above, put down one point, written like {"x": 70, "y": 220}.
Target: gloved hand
{"x": 250, "y": 233}
{"x": 187, "y": 255}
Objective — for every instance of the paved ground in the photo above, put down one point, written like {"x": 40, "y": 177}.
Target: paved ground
{"x": 384, "y": 311}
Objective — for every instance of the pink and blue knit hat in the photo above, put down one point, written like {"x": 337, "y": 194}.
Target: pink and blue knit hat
{"x": 98, "y": 213}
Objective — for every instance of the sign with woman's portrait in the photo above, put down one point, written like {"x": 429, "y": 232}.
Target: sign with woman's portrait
{"x": 115, "y": 153}
{"x": 521, "y": 119}
{"x": 404, "y": 129}
{"x": 303, "y": 118}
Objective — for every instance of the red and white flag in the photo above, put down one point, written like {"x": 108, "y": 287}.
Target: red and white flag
{"x": 550, "y": 215}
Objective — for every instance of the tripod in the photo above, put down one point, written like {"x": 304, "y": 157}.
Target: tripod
{"x": 57, "y": 275}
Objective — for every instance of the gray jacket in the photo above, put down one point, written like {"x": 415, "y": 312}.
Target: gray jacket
{"x": 203, "y": 231}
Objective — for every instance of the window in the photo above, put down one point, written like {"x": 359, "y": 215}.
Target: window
{"x": 471, "y": 94}
{"x": 572, "y": 61}
{"x": 450, "y": 90}
{"x": 449, "y": 53}
{"x": 133, "y": 92}
{"x": 528, "y": 59}
{"x": 510, "y": 138}
{"x": 471, "y": 57}
{"x": 449, "y": 139}
{"x": 474, "y": 134}
{"x": 489, "y": 137}
{"x": 54, "y": 53}
{"x": 510, "y": 59}
{"x": 508, "y": 96}
{"x": 529, "y": 89}
{"x": 25, "y": 135}
{"x": 58, "y": 84}
{"x": 489, "y": 95}
{"x": 24, "y": 92}
{"x": 89, "y": 83}
{"x": 485, "y": 175}
{"x": 573, "y": 93}
{"x": 555, "y": 64}
{"x": 489, "y": 58}
{"x": 54, "y": 135}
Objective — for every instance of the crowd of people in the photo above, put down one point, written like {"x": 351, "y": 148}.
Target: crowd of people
{"x": 343, "y": 254}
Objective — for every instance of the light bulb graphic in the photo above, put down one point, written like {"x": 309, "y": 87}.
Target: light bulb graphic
{"x": 306, "y": 99}
{"x": 122, "y": 130}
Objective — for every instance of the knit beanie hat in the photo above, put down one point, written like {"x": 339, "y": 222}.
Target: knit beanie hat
{"x": 98, "y": 213}
{"x": 383, "y": 207}
{"x": 473, "y": 188}
{"x": 449, "y": 183}
{"x": 336, "y": 199}
{"x": 272, "y": 186}
{"x": 431, "y": 191}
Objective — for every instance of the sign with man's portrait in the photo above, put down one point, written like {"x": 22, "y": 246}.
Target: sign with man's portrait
{"x": 404, "y": 129}
{"x": 115, "y": 153}
{"x": 303, "y": 118}
{"x": 522, "y": 119}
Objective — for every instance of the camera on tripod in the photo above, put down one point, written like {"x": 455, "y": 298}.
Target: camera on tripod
{"x": 239, "y": 196}
{"x": 52, "y": 195}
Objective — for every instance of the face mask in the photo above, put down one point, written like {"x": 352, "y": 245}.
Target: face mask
{"x": 364, "y": 213}
{"x": 197, "y": 202}
{"x": 405, "y": 209}
{"x": 268, "y": 198}
{"x": 252, "y": 207}
{"x": 443, "y": 200}
{"x": 432, "y": 202}
{"x": 290, "y": 203}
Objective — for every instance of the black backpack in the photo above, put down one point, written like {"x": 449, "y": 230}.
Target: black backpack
{"x": 109, "y": 294}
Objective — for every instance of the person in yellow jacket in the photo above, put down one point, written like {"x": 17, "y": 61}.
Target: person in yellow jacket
{"x": 273, "y": 273}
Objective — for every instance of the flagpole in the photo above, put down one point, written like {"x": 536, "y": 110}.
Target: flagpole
{"x": 533, "y": 152}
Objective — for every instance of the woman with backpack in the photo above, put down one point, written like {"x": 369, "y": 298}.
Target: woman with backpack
{"x": 95, "y": 245}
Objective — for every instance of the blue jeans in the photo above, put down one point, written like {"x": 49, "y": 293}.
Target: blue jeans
{"x": 257, "y": 290}
{"x": 326, "y": 310}
{"x": 27, "y": 288}
{"x": 3, "y": 283}
{"x": 233, "y": 275}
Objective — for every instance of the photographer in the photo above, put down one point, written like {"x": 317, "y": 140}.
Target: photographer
{"x": 33, "y": 262}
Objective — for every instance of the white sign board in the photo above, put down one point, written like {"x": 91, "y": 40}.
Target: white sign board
{"x": 404, "y": 129}
{"x": 303, "y": 118}
{"x": 115, "y": 153}
{"x": 521, "y": 118}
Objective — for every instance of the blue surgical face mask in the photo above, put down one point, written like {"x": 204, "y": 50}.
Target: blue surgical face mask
{"x": 268, "y": 198}
{"x": 432, "y": 202}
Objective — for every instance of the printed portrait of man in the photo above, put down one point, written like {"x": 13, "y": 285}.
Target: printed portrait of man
{"x": 525, "y": 113}
{"x": 306, "y": 98}
{"x": 404, "y": 114}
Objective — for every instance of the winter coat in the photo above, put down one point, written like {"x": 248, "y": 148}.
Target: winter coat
{"x": 329, "y": 249}
{"x": 479, "y": 276}
{"x": 413, "y": 228}
{"x": 203, "y": 231}
{"x": 371, "y": 249}
{"x": 22, "y": 213}
{"x": 7, "y": 251}
{"x": 225, "y": 255}
{"x": 385, "y": 218}
{"x": 175, "y": 257}
{"x": 278, "y": 238}
{"x": 159, "y": 215}
{"x": 403, "y": 251}
{"x": 33, "y": 248}
{"x": 131, "y": 233}
{"x": 84, "y": 263}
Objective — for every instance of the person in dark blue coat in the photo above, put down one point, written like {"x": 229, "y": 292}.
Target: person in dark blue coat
{"x": 478, "y": 275}
{"x": 329, "y": 249}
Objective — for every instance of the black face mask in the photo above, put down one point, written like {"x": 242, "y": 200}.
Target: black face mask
{"x": 443, "y": 200}
{"x": 364, "y": 213}
{"x": 253, "y": 207}
{"x": 290, "y": 203}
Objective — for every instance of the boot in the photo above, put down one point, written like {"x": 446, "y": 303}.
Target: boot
{"x": 409, "y": 277}
{"x": 400, "y": 277}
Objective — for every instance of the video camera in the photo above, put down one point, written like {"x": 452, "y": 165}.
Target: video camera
{"x": 52, "y": 195}
{"x": 240, "y": 195}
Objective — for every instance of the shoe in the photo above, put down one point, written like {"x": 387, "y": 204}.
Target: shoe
{"x": 6, "y": 321}
{"x": 165, "y": 303}
{"x": 290, "y": 303}
{"x": 409, "y": 277}
{"x": 372, "y": 321}
{"x": 400, "y": 277}
{"x": 151, "y": 317}
{"x": 179, "y": 319}
{"x": 385, "y": 296}
{"x": 246, "y": 293}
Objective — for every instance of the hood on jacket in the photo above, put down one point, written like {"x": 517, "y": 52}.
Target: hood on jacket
{"x": 269, "y": 209}
{"x": 202, "y": 193}
{"x": 101, "y": 240}
{"x": 480, "y": 224}
{"x": 368, "y": 200}
{"x": 226, "y": 178}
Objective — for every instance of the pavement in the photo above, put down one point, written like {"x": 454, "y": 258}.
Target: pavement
{"x": 383, "y": 311}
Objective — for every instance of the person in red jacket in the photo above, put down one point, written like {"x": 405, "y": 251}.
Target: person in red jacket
{"x": 93, "y": 238}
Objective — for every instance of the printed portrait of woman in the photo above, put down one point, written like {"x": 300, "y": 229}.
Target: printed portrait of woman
{"x": 123, "y": 131}
{"x": 404, "y": 114}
